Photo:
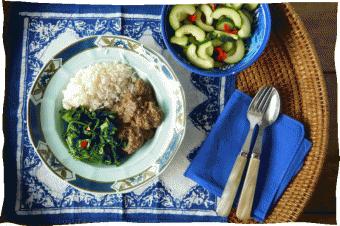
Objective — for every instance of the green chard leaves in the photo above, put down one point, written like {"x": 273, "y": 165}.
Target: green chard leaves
{"x": 92, "y": 136}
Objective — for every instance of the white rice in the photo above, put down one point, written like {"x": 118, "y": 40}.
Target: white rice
{"x": 99, "y": 85}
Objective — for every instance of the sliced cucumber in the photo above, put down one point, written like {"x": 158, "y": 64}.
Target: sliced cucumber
{"x": 207, "y": 13}
{"x": 251, "y": 6}
{"x": 186, "y": 21}
{"x": 238, "y": 54}
{"x": 236, "y": 5}
{"x": 210, "y": 51}
{"x": 232, "y": 50}
{"x": 197, "y": 61}
{"x": 205, "y": 50}
{"x": 178, "y": 13}
{"x": 229, "y": 13}
{"x": 220, "y": 24}
{"x": 200, "y": 23}
{"x": 245, "y": 30}
{"x": 218, "y": 64}
{"x": 216, "y": 42}
{"x": 194, "y": 30}
{"x": 225, "y": 36}
{"x": 210, "y": 35}
{"x": 182, "y": 41}
{"x": 227, "y": 46}
{"x": 200, "y": 34}
{"x": 248, "y": 14}
{"x": 193, "y": 40}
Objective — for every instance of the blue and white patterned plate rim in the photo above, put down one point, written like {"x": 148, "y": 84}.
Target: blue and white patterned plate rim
{"x": 158, "y": 166}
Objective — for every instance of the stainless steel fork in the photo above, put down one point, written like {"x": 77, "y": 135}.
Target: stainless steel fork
{"x": 255, "y": 114}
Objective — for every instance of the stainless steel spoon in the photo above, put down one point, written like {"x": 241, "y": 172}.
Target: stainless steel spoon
{"x": 248, "y": 190}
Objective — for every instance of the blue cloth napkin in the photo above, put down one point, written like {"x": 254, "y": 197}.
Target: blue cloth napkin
{"x": 283, "y": 153}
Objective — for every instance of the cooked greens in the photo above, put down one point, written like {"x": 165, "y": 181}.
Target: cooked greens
{"x": 92, "y": 136}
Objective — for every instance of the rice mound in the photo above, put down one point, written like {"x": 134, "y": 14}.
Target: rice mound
{"x": 100, "y": 85}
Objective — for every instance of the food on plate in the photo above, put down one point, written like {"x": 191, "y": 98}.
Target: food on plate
{"x": 109, "y": 113}
{"x": 212, "y": 35}
{"x": 91, "y": 136}
{"x": 139, "y": 115}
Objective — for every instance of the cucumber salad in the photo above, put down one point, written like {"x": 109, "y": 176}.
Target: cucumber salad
{"x": 212, "y": 35}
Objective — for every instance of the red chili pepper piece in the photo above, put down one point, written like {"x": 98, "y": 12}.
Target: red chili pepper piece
{"x": 218, "y": 49}
{"x": 221, "y": 55}
{"x": 227, "y": 29}
{"x": 234, "y": 31}
{"x": 213, "y": 7}
{"x": 192, "y": 18}
{"x": 83, "y": 144}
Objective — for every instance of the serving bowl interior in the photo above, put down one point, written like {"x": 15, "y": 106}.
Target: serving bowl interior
{"x": 255, "y": 45}
{"x": 46, "y": 126}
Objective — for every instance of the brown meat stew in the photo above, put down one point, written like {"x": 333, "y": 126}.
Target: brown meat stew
{"x": 139, "y": 116}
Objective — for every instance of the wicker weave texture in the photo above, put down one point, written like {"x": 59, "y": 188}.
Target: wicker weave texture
{"x": 290, "y": 63}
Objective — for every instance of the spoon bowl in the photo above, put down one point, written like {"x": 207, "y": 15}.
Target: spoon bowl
{"x": 273, "y": 110}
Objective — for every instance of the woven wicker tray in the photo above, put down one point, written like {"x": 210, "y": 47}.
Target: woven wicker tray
{"x": 290, "y": 63}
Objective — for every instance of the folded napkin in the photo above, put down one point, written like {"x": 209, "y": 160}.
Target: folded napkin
{"x": 283, "y": 152}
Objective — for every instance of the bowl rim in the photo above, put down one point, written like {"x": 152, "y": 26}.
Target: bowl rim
{"x": 161, "y": 170}
{"x": 221, "y": 73}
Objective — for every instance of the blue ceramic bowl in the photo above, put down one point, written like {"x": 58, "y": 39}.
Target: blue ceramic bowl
{"x": 254, "y": 45}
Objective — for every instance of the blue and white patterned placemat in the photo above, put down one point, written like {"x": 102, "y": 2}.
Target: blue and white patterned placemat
{"x": 32, "y": 193}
